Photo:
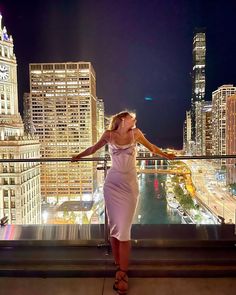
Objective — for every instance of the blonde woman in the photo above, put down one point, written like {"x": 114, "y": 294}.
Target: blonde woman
{"x": 121, "y": 186}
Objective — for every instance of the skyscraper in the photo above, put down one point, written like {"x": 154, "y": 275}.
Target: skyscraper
{"x": 219, "y": 98}
{"x": 198, "y": 75}
{"x": 27, "y": 115}
{"x": 231, "y": 139}
{"x": 187, "y": 143}
{"x": 64, "y": 114}
{"x": 203, "y": 110}
{"x": 20, "y": 196}
{"x": 100, "y": 117}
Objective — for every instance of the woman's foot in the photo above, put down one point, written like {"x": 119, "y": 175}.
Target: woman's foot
{"x": 121, "y": 282}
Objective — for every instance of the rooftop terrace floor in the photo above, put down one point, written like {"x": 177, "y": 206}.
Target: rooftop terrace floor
{"x": 103, "y": 286}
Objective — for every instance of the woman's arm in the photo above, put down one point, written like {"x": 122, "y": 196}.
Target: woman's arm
{"x": 152, "y": 148}
{"x": 92, "y": 149}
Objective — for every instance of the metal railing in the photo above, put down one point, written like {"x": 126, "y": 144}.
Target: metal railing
{"x": 105, "y": 167}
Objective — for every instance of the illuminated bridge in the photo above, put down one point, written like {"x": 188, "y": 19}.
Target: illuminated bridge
{"x": 163, "y": 171}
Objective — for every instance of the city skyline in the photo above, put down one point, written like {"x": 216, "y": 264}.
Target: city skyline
{"x": 65, "y": 113}
{"x": 137, "y": 51}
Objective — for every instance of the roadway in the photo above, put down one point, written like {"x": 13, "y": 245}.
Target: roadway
{"x": 210, "y": 191}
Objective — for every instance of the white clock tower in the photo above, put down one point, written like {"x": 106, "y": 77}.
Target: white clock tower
{"x": 10, "y": 119}
{"x": 20, "y": 190}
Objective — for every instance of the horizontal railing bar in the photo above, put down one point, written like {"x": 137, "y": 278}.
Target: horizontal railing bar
{"x": 97, "y": 159}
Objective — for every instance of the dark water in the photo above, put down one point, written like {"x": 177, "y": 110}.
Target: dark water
{"x": 152, "y": 207}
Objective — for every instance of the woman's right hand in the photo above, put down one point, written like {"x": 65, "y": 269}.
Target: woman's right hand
{"x": 75, "y": 158}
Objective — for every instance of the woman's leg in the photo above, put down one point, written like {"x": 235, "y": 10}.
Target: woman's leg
{"x": 121, "y": 252}
{"x": 121, "y": 279}
{"x": 115, "y": 250}
{"x": 124, "y": 253}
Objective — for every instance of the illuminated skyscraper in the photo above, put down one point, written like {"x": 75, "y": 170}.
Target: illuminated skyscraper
{"x": 219, "y": 98}
{"x": 27, "y": 115}
{"x": 100, "y": 117}
{"x": 231, "y": 138}
{"x": 64, "y": 114}
{"x": 203, "y": 128}
{"x": 187, "y": 142}
{"x": 20, "y": 196}
{"x": 198, "y": 74}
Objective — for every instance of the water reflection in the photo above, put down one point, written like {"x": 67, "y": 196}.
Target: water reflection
{"x": 152, "y": 207}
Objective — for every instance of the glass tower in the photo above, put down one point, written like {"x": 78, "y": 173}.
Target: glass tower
{"x": 198, "y": 75}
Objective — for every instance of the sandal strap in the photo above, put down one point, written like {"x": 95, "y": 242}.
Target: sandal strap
{"x": 123, "y": 277}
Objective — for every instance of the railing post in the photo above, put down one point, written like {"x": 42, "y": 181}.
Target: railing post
{"x": 235, "y": 222}
{"x": 106, "y": 229}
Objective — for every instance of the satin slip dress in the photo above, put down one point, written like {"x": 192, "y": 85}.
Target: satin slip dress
{"x": 121, "y": 189}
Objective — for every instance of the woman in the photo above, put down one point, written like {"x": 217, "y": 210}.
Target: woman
{"x": 121, "y": 186}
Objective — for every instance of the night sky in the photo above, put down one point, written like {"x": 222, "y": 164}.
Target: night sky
{"x": 140, "y": 48}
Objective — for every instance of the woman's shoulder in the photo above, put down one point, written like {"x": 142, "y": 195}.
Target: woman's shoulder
{"x": 137, "y": 132}
{"x": 107, "y": 135}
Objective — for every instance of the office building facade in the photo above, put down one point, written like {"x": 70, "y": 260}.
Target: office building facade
{"x": 187, "y": 141}
{"x": 64, "y": 115}
{"x": 203, "y": 128}
{"x": 231, "y": 139}
{"x": 20, "y": 196}
{"x": 219, "y": 98}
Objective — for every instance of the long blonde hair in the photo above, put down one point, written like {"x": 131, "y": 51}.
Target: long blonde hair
{"x": 117, "y": 119}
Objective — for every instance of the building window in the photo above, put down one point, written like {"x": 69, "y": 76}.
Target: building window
{"x": 6, "y": 205}
{"x": 13, "y": 204}
{"x": 12, "y": 181}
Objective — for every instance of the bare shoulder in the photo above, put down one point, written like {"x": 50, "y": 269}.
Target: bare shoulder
{"x": 137, "y": 133}
{"x": 106, "y": 135}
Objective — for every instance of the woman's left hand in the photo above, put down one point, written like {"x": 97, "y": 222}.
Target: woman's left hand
{"x": 170, "y": 156}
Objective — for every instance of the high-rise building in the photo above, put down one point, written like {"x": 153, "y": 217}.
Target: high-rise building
{"x": 107, "y": 120}
{"x": 20, "y": 196}
{"x": 27, "y": 115}
{"x": 100, "y": 130}
{"x": 219, "y": 98}
{"x": 64, "y": 114}
{"x": 198, "y": 74}
{"x": 231, "y": 138}
{"x": 203, "y": 111}
{"x": 207, "y": 130}
{"x": 187, "y": 142}
{"x": 100, "y": 117}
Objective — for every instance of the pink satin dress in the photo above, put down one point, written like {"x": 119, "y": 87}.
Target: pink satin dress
{"x": 121, "y": 189}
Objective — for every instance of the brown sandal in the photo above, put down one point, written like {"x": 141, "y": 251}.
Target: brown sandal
{"x": 115, "y": 285}
{"x": 121, "y": 282}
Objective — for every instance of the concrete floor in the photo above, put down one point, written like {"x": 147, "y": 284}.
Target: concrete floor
{"x": 103, "y": 286}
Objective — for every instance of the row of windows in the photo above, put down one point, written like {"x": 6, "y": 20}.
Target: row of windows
{"x": 7, "y": 203}
{"x": 5, "y": 168}
{"x": 7, "y": 193}
{"x": 8, "y": 181}
{"x": 62, "y": 82}
{"x": 59, "y": 66}
{"x": 5, "y": 96}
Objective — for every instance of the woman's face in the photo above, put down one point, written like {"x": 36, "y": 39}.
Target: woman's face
{"x": 130, "y": 120}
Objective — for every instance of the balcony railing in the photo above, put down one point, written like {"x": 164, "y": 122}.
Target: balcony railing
{"x": 192, "y": 207}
